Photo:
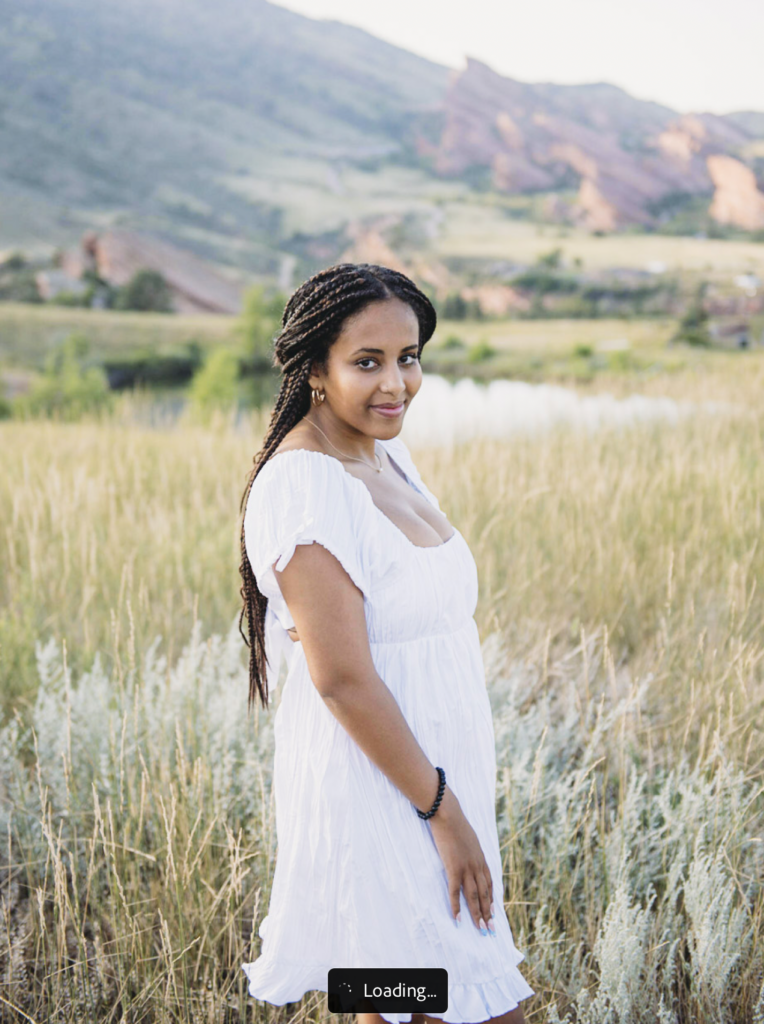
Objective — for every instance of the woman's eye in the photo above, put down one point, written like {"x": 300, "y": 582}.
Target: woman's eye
{"x": 369, "y": 359}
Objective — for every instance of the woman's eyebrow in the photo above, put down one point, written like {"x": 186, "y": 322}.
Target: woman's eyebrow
{"x": 379, "y": 351}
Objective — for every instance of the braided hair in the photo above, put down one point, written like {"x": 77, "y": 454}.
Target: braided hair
{"x": 311, "y": 322}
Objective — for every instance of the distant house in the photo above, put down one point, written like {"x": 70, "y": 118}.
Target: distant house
{"x": 733, "y": 334}
{"x": 115, "y": 255}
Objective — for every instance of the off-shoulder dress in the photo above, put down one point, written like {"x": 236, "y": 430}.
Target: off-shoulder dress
{"x": 358, "y": 880}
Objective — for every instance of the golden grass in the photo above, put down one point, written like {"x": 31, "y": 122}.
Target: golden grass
{"x": 474, "y": 230}
{"x": 558, "y": 335}
{"x": 622, "y": 614}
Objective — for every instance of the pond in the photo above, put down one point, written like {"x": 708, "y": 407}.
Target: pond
{"x": 446, "y": 413}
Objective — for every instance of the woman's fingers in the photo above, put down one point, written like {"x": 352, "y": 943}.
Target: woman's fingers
{"x": 486, "y": 899}
{"x": 466, "y": 868}
{"x": 454, "y": 889}
{"x": 478, "y": 892}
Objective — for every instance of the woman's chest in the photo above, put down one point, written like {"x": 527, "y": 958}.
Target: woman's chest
{"x": 419, "y": 591}
{"x": 409, "y": 511}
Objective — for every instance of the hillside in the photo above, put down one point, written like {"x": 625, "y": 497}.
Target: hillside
{"x": 263, "y": 140}
{"x": 629, "y": 162}
{"x": 171, "y": 116}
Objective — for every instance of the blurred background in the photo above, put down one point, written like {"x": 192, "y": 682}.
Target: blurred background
{"x": 579, "y": 188}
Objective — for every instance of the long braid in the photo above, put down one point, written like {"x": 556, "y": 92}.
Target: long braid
{"x": 311, "y": 322}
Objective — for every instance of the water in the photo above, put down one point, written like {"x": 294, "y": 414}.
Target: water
{"x": 445, "y": 413}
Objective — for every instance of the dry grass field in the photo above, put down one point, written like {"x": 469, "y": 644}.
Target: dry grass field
{"x": 622, "y": 616}
{"x": 29, "y": 332}
{"x": 477, "y": 230}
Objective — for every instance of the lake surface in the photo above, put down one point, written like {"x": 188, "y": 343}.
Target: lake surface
{"x": 446, "y": 413}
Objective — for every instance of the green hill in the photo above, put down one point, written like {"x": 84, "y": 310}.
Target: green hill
{"x": 203, "y": 123}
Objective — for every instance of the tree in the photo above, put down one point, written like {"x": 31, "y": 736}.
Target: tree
{"x": 259, "y": 321}
{"x": 693, "y": 327}
{"x": 455, "y": 307}
{"x": 551, "y": 259}
{"x": 68, "y": 389}
{"x": 215, "y": 385}
{"x": 15, "y": 261}
{"x": 146, "y": 291}
{"x": 20, "y": 286}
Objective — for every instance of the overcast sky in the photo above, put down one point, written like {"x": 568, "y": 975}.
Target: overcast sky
{"x": 692, "y": 55}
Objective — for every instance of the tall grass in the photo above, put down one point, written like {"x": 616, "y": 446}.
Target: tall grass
{"x": 622, "y": 617}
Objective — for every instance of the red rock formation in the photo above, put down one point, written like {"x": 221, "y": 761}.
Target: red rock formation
{"x": 496, "y": 299}
{"x": 737, "y": 199}
{"x": 625, "y": 155}
{"x": 683, "y": 138}
{"x": 195, "y": 286}
{"x": 369, "y": 246}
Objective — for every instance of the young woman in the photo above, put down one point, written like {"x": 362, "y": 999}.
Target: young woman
{"x": 385, "y": 767}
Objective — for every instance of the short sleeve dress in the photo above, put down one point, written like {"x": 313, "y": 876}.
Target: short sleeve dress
{"x": 358, "y": 880}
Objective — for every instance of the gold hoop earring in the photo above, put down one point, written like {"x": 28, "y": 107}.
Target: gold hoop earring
{"x": 317, "y": 397}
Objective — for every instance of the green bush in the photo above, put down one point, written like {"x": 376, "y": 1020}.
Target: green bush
{"x": 696, "y": 336}
{"x": 551, "y": 259}
{"x": 6, "y": 408}
{"x": 456, "y": 307}
{"x": 146, "y": 291}
{"x": 583, "y": 351}
{"x": 66, "y": 298}
{"x": 15, "y": 261}
{"x": 167, "y": 363}
{"x": 543, "y": 281}
{"x": 480, "y": 351}
{"x": 19, "y": 286}
{"x": 68, "y": 389}
{"x": 622, "y": 361}
{"x": 453, "y": 341}
{"x": 259, "y": 322}
{"x": 215, "y": 385}
{"x": 693, "y": 327}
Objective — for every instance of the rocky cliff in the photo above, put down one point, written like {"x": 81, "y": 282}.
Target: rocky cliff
{"x": 626, "y": 158}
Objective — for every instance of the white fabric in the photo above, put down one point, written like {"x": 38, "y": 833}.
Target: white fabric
{"x": 358, "y": 880}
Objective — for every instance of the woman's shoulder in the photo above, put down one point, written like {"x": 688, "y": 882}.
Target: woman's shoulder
{"x": 300, "y": 495}
{"x": 299, "y": 479}
{"x": 298, "y": 439}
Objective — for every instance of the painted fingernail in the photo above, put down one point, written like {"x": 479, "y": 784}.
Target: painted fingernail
{"x": 483, "y": 929}
{"x": 491, "y": 927}
{"x": 459, "y": 918}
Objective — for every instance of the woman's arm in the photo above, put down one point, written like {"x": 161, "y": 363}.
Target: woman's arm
{"x": 328, "y": 612}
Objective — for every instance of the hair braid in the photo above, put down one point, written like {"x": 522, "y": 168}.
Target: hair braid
{"x": 312, "y": 320}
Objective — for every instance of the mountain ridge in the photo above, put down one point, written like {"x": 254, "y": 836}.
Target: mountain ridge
{"x": 225, "y": 129}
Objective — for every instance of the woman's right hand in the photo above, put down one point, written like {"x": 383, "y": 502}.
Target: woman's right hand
{"x": 463, "y": 859}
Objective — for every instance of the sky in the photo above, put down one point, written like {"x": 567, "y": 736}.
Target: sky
{"x": 691, "y": 55}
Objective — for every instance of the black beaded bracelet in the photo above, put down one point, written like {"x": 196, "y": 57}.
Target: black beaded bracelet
{"x": 441, "y": 789}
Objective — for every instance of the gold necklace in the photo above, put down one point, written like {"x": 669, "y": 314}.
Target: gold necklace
{"x": 353, "y": 457}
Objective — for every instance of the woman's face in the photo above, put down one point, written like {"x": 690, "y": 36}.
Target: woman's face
{"x": 373, "y": 362}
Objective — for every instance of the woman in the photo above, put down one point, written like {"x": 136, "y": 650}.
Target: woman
{"x": 352, "y": 570}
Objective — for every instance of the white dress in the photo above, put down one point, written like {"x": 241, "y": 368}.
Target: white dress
{"x": 358, "y": 880}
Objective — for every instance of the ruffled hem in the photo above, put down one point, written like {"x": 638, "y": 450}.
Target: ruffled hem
{"x": 280, "y": 981}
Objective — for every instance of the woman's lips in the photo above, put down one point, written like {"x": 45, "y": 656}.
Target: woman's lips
{"x": 388, "y": 410}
